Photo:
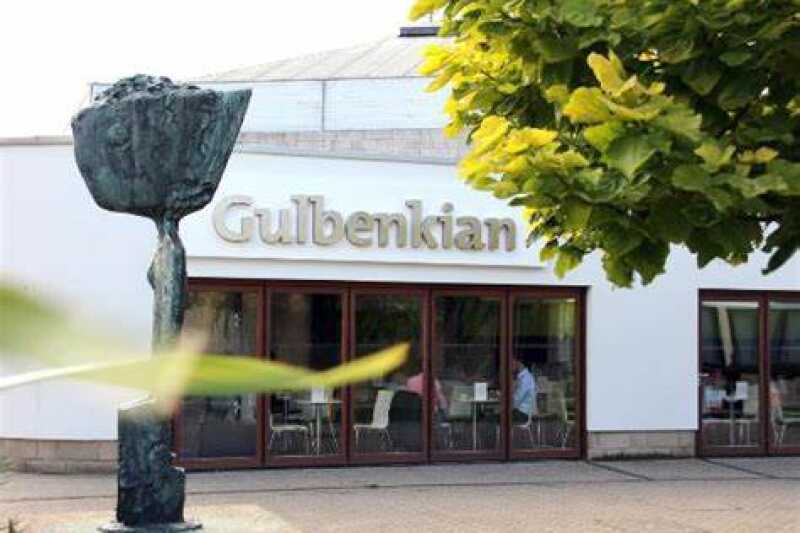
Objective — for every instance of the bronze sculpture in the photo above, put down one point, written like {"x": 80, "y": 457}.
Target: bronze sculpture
{"x": 152, "y": 148}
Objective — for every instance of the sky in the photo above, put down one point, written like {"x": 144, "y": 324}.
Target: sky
{"x": 51, "y": 50}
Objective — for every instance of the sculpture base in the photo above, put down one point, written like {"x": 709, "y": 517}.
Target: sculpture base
{"x": 149, "y": 489}
{"x": 116, "y": 527}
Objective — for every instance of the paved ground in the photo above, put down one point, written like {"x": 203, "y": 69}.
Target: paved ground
{"x": 667, "y": 495}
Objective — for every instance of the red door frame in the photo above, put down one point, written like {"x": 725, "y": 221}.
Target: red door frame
{"x": 348, "y": 291}
{"x": 766, "y": 444}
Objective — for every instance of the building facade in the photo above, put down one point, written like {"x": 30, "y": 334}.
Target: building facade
{"x": 341, "y": 227}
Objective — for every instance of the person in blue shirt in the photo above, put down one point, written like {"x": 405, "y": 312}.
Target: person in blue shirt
{"x": 524, "y": 400}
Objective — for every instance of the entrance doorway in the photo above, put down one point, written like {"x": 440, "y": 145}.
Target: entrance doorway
{"x": 493, "y": 373}
{"x": 749, "y": 393}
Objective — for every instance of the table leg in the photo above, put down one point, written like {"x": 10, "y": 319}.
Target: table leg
{"x": 318, "y": 412}
{"x": 539, "y": 432}
{"x": 474, "y": 426}
{"x": 731, "y": 429}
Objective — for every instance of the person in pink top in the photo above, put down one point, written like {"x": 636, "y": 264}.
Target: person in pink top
{"x": 416, "y": 384}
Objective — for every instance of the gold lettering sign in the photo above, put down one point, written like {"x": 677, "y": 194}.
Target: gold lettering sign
{"x": 308, "y": 220}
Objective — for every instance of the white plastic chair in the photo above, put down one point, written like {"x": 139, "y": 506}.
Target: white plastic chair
{"x": 380, "y": 418}
{"x": 282, "y": 430}
{"x": 749, "y": 414}
{"x": 781, "y": 424}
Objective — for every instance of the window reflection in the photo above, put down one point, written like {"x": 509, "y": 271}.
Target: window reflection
{"x": 221, "y": 426}
{"x": 784, "y": 393}
{"x": 543, "y": 374}
{"x": 387, "y": 412}
{"x": 730, "y": 374}
{"x": 466, "y": 373}
{"x": 305, "y": 330}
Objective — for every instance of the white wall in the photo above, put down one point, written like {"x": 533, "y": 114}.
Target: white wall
{"x": 641, "y": 343}
{"x": 59, "y": 245}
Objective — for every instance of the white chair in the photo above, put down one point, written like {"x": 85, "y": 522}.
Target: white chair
{"x": 781, "y": 424}
{"x": 566, "y": 416}
{"x": 527, "y": 427}
{"x": 283, "y": 430}
{"x": 380, "y": 418}
{"x": 749, "y": 414}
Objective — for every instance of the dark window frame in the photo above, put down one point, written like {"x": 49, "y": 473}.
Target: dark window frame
{"x": 427, "y": 291}
{"x": 765, "y": 445}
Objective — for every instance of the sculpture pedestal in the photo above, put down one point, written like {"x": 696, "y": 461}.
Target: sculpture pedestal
{"x": 150, "y": 491}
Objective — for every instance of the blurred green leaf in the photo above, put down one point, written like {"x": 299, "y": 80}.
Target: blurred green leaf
{"x": 167, "y": 375}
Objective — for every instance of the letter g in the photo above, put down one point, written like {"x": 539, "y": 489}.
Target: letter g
{"x": 246, "y": 223}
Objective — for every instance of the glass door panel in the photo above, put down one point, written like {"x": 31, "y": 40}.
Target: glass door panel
{"x": 221, "y": 426}
{"x": 730, "y": 376}
{"x": 543, "y": 382}
{"x": 784, "y": 379}
{"x": 466, "y": 372}
{"x": 387, "y": 412}
{"x": 305, "y": 330}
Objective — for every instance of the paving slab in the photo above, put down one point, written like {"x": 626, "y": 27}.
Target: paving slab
{"x": 677, "y": 469}
{"x": 740, "y": 505}
{"x": 540, "y": 472}
{"x": 779, "y": 467}
{"x": 41, "y": 486}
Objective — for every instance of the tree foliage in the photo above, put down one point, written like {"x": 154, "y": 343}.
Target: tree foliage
{"x": 626, "y": 126}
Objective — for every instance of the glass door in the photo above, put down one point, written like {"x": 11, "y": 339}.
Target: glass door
{"x": 388, "y": 413}
{"x": 222, "y": 430}
{"x": 466, "y": 385}
{"x": 306, "y": 329}
{"x": 731, "y": 418}
{"x": 784, "y": 375}
{"x": 544, "y": 376}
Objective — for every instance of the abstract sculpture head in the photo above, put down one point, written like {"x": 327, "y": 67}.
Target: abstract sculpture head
{"x": 149, "y": 147}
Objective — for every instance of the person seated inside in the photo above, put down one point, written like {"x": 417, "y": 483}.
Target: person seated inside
{"x": 524, "y": 400}
{"x": 416, "y": 384}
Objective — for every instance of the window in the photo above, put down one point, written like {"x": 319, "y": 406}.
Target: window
{"x": 750, "y": 372}
{"x": 454, "y": 398}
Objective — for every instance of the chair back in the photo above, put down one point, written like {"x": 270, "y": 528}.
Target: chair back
{"x": 561, "y": 402}
{"x": 380, "y": 413}
{"x": 776, "y": 414}
{"x": 750, "y": 405}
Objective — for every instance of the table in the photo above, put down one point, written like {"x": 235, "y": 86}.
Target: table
{"x": 475, "y": 403}
{"x": 317, "y": 408}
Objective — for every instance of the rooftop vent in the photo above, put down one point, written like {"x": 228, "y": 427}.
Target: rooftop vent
{"x": 419, "y": 31}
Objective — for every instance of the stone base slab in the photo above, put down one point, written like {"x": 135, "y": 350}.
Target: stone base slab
{"x": 640, "y": 444}
{"x": 60, "y": 456}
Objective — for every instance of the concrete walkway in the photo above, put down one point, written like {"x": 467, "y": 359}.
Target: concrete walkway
{"x": 666, "y": 495}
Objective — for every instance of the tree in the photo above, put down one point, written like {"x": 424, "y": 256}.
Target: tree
{"x": 629, "y": 126}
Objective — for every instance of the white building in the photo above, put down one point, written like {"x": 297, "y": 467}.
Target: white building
{"x": 509, "y": 362}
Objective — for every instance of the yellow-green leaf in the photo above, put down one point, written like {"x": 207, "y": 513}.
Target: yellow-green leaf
{"x": 608, "y": 72}
{"x": 587, "y": 106}
{"x": 713, "y": 155}
{"x": 760, "y": 156}
{"x": 522, "y": 139}
{"x": 425, "y": 7}
{"x": 557, "y": 94}
{"x": 492, "y": 130}
{"x": 601, "y": 135}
